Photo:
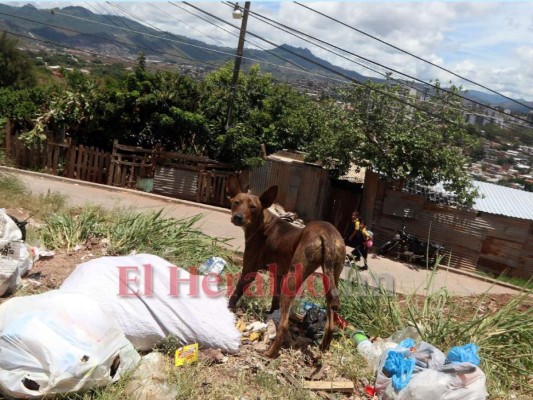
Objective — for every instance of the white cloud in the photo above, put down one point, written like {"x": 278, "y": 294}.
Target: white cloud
{"x": 489, "y": 42}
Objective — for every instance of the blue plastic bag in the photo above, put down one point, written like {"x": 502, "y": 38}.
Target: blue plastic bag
{"x": 400, "y": 368}
{"x": 466, "y": 353}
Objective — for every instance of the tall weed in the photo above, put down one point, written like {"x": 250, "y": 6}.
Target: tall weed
{"x": 122, "y": 232}
{"x": 504, "y": 336}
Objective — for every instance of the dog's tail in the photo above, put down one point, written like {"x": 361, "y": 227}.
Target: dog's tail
{"x": 331, "y": 275}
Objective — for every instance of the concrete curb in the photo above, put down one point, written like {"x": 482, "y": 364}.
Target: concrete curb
{"x": 482, "y": 278}
{"x": 210, "y": 208}
{"x": 115, "y": 189}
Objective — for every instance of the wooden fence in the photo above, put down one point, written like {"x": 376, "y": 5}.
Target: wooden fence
{"x": 186, "y": 176}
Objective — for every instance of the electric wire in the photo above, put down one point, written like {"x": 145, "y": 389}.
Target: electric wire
{"x": 131, "y": 15}
{"x": 353, "y": 80}
{"x": 186, "y": 24}
{"x": 93, "y": 53}
{"x": 233, "y": 34}
{"x": 299, "y": 34}
{"x": 414, "y": 55}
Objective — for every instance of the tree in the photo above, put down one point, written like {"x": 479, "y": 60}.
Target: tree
{"x": 379, "y": 130}
{"x": 16, "y": 69}
{"x": 265, "y": 112}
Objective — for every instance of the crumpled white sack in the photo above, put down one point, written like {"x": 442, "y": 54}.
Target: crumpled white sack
{"x": 59, "y": 342}
{"x": 147, "y": 319}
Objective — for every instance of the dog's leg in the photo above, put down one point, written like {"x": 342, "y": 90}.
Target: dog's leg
{"x": 332, "y": 301}
{"x": 285, "y": 303}
{"x": 276, "y": 294}
{"x": 290, "y": 286}
{"x": 243, "y": 282}
{"x": 333, "y": 265}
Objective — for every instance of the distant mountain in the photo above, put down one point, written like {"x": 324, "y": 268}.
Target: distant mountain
{"x": 113, "y": 36}
{"x": 497, "y": 100}
{"x": 122, "y": 37}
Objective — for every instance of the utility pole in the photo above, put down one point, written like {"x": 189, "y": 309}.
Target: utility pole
{"x": 238, "y": 58}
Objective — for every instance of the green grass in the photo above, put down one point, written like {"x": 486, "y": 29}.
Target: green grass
{"x": 514, "y": 280}
{"x": 121, "y": 232}
{"x": 504, "y": 336}
{"x": 14, "y": 194}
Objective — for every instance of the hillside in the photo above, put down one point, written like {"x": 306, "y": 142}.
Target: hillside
{"x": 123, "y": 38}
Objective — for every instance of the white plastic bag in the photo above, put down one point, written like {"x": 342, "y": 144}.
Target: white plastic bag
{"x": 153, "y": 313}
{"x": 15, "y": 259}
{"x": 9, "y": 231}
{"x": 59, "y": 342}
{"x": 429, "y": 382}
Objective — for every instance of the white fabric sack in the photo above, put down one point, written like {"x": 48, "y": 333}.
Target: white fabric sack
{"x": 146, "y": 318}
{"x": 59, "y": 342}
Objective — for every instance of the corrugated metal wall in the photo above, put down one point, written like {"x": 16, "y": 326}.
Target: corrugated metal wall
{"x": 302, "y": 188}
{"x": 176, "y": 182}
{"x": 508, "y": 245}
{"x": 471, "y": 240}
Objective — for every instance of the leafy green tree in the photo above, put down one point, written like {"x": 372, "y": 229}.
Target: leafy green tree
{"x": 381, "y": 132}
{"x": 16, "y": 69}
{"x": 265, "y": 112}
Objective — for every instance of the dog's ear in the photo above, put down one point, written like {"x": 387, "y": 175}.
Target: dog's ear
{"x": 268, "y": 197}
{"x": 232, "y": 186}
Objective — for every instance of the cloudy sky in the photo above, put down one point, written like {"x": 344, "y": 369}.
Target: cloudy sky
{"x": 488, "y": 42}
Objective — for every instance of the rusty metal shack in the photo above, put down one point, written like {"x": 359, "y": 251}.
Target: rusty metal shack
{"x": 495, "y": 235}
{"x": 307, "y": 189}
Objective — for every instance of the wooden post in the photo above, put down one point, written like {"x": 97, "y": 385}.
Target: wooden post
{"x": 8, "y": 131}
{"x": 79, "y": 162}
{"x": 112, "y": 166}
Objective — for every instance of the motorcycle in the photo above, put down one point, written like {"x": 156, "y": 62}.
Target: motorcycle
{"x": 405, "y": 242}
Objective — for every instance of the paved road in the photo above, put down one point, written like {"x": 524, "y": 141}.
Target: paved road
{"x": 406, "y": 278}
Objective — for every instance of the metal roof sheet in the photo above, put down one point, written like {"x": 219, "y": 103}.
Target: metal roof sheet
{"x": 502, "y": 200}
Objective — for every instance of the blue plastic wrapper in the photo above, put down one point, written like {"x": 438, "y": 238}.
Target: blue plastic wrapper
{"x": 466, "y": 353}
{"x": 400, "y": 368}
{"x": 407, "y": 343}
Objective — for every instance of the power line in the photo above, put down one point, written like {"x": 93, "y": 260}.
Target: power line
{"x": 76, "y": 49}
{"x": 186, "y": 24}
{"x": 142, "y": 22}
{"x": 330, "y": 69}
{"x": 384, "y": 93}
{"x": 231, "y": 33}
{"x": 157, "y": 51}
{"x": 287, "y": 29}
{"x": 414, "y": 55}
{"x": 102, "y": 38}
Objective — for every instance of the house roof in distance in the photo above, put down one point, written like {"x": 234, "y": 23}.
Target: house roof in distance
{"x": 501, "y": 200}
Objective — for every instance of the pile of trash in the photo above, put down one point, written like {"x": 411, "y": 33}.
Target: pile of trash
{"x": 15, "y": 254}
{"x": 90, "y": 329}
{"x": 408, "y": 368}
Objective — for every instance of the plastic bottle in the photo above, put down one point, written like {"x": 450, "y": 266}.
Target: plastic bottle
{"x": 213, "y": 265}
{"x": 371, "y": 351}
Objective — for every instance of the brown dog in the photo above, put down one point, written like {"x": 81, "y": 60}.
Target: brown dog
{"x": 271, "y": 241}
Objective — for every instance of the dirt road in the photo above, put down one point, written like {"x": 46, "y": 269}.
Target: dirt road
{"x": 403, "y": 277}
